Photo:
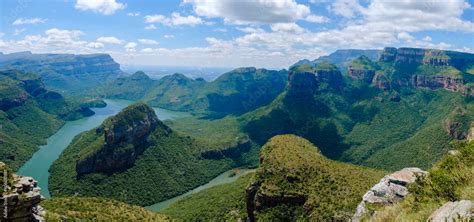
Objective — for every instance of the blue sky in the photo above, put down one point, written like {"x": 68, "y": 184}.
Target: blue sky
{"x": 231, "y": 33}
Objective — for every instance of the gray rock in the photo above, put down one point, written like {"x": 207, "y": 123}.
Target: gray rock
{"x": 454, "y": 211}
{"x": 391, "y": 189}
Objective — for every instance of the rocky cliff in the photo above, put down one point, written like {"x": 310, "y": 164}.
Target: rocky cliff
{"x": 65, "y": 72}
{"x": 124, "y": 136}
{"x": 22, "y": 196}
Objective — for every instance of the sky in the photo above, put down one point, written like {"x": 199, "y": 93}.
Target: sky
{"x": 231, "y": 33}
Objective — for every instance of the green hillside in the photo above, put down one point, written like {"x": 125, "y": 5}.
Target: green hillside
{"x": 96, "y": 209}
{"x": 295, "y": 181}
{"x": 29, "y": 114}
{"x": 235, "y": 92}
{"x": 148, "y": 164}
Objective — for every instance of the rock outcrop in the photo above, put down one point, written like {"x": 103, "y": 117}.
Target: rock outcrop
{"x": 391, "y": 189}
{"x": 470, "y": 133}
{"x": 22, "y": 198}
{"x": 438, "y": 82}
{"x": 125, "y": 138}
{"x": 381, "y": 81}
{"x": 363, "y": 74}
{"x": 462, "y": 210}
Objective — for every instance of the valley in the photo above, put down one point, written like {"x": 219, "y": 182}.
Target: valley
{"x": 328, "y": 129}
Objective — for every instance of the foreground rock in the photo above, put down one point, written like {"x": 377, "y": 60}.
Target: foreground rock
{"x": 454, "y": 211}
{"x": 391, "y": 189}
{"x": 22, "y": 197}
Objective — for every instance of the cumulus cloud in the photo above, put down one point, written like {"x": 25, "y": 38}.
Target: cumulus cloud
{"x": 106, "y": 7}
{"x": 95, "y": 45}
{"x": 29, "y": 21}
{"x": 110, "y": 40}
{"x": 253, "y": 11}
{"x": 131, "y": 47}
{"x": 148, "y": 41}
{"x": 168, "y": 36}
{"x": 317, "y": 19}
{"x": 287, "y": 27}
{"x": 346, "y": 8}
{"x": 175, "y": 20}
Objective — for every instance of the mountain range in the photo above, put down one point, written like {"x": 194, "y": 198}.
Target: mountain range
{"x": 324, "y": 135}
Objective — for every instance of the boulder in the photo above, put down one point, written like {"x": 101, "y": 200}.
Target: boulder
{"x": 391, "y": 189}
{"x": 454, "y": 211}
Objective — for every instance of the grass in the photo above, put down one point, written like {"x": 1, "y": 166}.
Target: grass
{"x": 96, "y": 209}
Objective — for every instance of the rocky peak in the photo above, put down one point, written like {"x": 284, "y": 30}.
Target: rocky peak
{"x": 125, "y": 138}
{"x": 140, "y": 75}
{"x": 329, "y": 73}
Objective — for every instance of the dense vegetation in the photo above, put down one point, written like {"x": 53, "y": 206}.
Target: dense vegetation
{"x": 222, "y": 202}
{"x": 295, "y": 180}
{"x": 235, "y": 92}
{"x": 369, "y": 122}
{"x": 171, "y": 165}
{"x": 451, "y": 179}
{"x": 96, "y": 209}
{"x": 29, "y": 114}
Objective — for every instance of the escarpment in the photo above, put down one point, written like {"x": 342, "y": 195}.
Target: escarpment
{"x": 124, "y": 137}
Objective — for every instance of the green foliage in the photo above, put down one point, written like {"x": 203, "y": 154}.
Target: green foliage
{"x": 222, "y": 202}
{"x": 26, "y": 123}
{"x": 293, "y": 168}
{"x": 171, "y": 165}
{"x": 96, "y": 209}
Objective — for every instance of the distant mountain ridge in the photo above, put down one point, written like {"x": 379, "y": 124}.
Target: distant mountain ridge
{"x": 65, "y": 72}
{"x": 342, "y": 57}
{"x": 234, "y": 92}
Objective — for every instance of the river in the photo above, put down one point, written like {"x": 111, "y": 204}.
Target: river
{"x": 39, "y": 164}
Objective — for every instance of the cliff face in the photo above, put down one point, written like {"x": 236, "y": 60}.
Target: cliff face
{"x": 22, "y": 196}
{"x": 65, "y": 71}
{"x": 125, "y": 137}
{"x": 301, "y": 85}
{"x": 438, "y": 82}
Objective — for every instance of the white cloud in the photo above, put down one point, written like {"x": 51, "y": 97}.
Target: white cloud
{"x": 287, "y": 27}
{"x": 18, "y": 31}
{"x": 133, "y": 14}
{"x": 427, "y": 39}
{"x": 29, "y": 21}
{"x": 106, "y": 7}
{"x": 95, "y": 45}
{"x": 405, "y": 37}
{"x": 346, "y": 8}
{"x": 415, "y": 15}
{"x": 148, "y": 41}
{"x": 250, "y": 29}
{"x": 316, "y": 19}
{"x": 168, "y": 36}
{"x": 175, "y": 20}
{"x": 110, "y": 40}
{"x": 131, "y": 47}
{"x": 150, "y": 27}
{"x": 250, "y": 11}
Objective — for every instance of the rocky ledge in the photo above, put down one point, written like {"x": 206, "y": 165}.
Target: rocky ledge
{"x": 20, "y": 201}
{"x": 391, "y": 189}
